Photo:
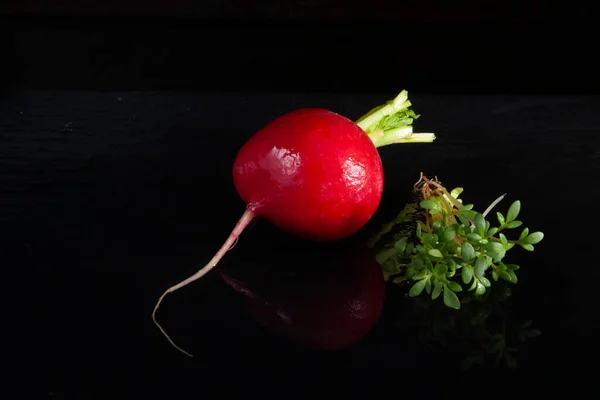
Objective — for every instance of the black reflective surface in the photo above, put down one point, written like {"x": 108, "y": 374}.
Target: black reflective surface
{"x": 109, "y": 198}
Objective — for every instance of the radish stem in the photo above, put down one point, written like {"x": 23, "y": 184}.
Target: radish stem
{"x": 246, "y": 218}
{"x": 372, "y": 118}
{"x": 391, "y": 123}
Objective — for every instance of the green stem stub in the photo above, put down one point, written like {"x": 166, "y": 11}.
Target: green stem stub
{"x": 392, "y": 123}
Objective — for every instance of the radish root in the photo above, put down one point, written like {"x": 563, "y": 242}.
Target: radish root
{"x": 246, "y": 218}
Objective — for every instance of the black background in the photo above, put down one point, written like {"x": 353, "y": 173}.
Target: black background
{"x": 117, "y": 133}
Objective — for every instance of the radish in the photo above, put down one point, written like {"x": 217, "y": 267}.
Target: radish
{"x": 330, "y": 297}
{"x": 314, "y": 173}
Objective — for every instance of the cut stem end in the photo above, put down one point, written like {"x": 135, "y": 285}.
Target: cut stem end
{"x": 391, "y": 123}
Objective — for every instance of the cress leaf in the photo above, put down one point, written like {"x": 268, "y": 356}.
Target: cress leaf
{"x": 441, "y": 269}
{"x": 513, "y": 211}
{"x": 432, "y": 205}
{"x": 428, "y": 263}
{"x": 451, "y": 299}
{"x": 513, "y": 267}
{"x": 428, "y": 285}
{"x": 505, "y": 275}
{"x": 451, "y": 247}
{"x": 514, "y": 224}
{"x": 495, "y": 250}
{"x": 480, "y": 224}
{"x": 448, "y": 235}
{"x": 429, "y": 239}
{"x": 474, "y": 285}
{"x": 417, "y": 288}
{"x": 474, "y": 237}
{"x": 418, "y": 262}
{"x": 479, "y": 267}
{"x": 467, "y": 274}
{"x": 491, "y": 232}
{"x": 455, "y": 287}
{"x": 504, "y": 240}
{"x": 467, "y": 251}
{"x": 401, "y": 245}
{"x": 435, "y": 253}
{"x": 495, "y": 275}
{"x": 437, "y": 289}
{"x": 500, "y": 218}
{"x": 456, "y": 192}
{"x": 527, "y": 247}
{"x": 485, "y": 281}
{"x": 463, "y": 220}
{"x": 480, "y": 289}
{"x": 534, "y": 238}
{"x": 419, "y": 276}
{"x": 524, "y": 234}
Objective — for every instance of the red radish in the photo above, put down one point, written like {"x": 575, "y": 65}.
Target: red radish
{"x": 314, "y": 173}
{"x": 328, "y": 305}
{"x": 311, "y": 172}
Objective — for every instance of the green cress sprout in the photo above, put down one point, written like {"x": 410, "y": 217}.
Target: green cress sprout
{"x": 447, "y": 249}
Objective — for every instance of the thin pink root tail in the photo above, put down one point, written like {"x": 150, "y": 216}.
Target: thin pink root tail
{"x": 228, "y": 245}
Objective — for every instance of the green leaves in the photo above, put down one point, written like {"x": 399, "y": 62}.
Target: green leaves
{"x": 400, "y": 245}
{"x": 467, "y": 274}
{"x": 492, "y": 231}
{"x": 437, "y": 290}
{"x": 495, "y": 250}
{"x": 503, "y": 240}
{"x": 513, "y": 211}
{"x": 474, "y": 237}
{"x": 480, "y": 224}
{"x": 417, "y": 288}
{"x": 441, "y": 269}
{"x": 451, "y": 299}
{"x": 455, "y": 287}
{"x": 534, "y": 238}
{"x": 456, "y": 192}
{"x": 448, "y": 234}
{"x": 528, "y": 241}
{"x": 432, "y": 205}
{"x": 435, "y": 253}
{"x": 467, "y": 252}
{"x": 479, "y": 288}
{"x": 479, "y": 267}
{"x": 451, "y": 249}
{"x": 501, "y": 219}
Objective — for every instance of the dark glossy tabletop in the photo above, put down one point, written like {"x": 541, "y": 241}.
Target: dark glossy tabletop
{"x": 115, "y": 178}
{"x": 109, "y": 197}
